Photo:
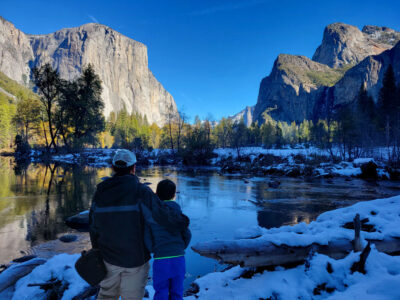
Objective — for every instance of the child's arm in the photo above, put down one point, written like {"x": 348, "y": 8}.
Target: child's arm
{"x": 187, "y": 236}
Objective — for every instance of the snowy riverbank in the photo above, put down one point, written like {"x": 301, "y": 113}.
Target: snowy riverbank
{"x": 295, "y": 162}
{"x": 321, "y": 277}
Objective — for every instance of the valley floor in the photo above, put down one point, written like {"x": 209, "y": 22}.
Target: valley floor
{"x": 321, "y": 277}
{"x": 295, "y": 162}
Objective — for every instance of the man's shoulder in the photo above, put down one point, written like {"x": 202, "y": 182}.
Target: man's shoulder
{"x": 110, "y": 182}
{"x": 144, "y": 188}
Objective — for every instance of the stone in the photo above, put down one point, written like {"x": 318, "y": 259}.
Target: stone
{"x": 68, "y": 238}
{"x": 368, "y": 170}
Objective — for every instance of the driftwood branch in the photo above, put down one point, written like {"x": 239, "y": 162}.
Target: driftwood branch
{"x": 47, "y": 285}
{"x": 357, "y": 230}
{"x": 359, "y": 266}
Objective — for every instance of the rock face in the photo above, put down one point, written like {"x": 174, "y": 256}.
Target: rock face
{"x": 345, "y": 44}
{"x": 15, "y": 52}
{"x": 121, "y": 63}
{"x": 370, "y": 73}
{"x": 292, "y": 88}
{"x": 299, "y": 88}
{"x": 246, "y": 114}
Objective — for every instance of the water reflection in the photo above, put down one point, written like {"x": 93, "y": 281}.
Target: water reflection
{"x": 36, "y": 198}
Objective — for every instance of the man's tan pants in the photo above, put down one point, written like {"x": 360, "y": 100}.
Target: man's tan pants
{"x": 129, "y": 283}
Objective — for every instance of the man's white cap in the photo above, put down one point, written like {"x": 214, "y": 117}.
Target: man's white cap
{"x": 124, "y": 158}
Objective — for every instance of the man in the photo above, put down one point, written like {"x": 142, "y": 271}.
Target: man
{"x": 119, "y": 207}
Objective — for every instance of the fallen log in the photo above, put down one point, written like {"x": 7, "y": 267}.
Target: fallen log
{"x": 268, "y": 254}
{"x": 12, "y": 274}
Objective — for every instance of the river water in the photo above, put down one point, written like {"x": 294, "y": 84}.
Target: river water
{"x": 35, "y": 199}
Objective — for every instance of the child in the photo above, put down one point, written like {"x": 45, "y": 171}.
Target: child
{"x": 168, "y": 250}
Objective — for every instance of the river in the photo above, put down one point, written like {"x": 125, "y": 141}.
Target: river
{"x": 35, "y": 199}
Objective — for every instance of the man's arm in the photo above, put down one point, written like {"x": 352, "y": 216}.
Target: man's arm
{"x": 168, "y": 217}
{"x": 187, "y": 236}
{"x": 148, "y": 237}
{"x": 92, "y": 228}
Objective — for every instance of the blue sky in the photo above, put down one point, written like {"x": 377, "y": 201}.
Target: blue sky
{"x": 210, "y": 55}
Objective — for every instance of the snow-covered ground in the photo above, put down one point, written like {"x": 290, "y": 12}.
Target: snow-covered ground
{"x": 322, "y": 278}
{"x": 381, "y": 282}
{"x": 91, "y": 157}
{"x": 288, "y": 161}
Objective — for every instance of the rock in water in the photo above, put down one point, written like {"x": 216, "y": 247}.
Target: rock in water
{"x": 121, "y": 63}
{"x": 11, "y": 275}
{"x": 24, "y": 258}
{"x": 79, "y": 222}
{"x": 368, "y": 170}
{"x": 274, "y": 184}
{"x": 68, "y": 238}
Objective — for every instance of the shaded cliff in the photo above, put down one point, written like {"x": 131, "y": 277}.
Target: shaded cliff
{"x": 294, "y": 85}
{"x": 300, "y": 88}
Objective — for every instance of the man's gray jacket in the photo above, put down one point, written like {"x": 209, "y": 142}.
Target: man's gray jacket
{"x": 117, "y": 220}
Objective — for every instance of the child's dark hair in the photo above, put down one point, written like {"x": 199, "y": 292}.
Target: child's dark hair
{"x": 166, "y": 189}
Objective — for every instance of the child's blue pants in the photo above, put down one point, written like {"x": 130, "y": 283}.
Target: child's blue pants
{"x": 168, "y": 276}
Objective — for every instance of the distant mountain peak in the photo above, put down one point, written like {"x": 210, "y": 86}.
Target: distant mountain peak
{"x": 245, "y": 114}
{"x": 344, "y": 44}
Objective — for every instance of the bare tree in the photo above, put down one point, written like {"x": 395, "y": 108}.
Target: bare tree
{"x": 48, "y": 83}
{"x": 171, "y": 119}
{"x": 181, "y": 119}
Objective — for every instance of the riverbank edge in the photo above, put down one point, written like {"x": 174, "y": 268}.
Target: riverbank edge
{"x": 253, "y": 161}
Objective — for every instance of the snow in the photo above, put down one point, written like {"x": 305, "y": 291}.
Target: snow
{"x": 360, "y": 161}
{"x": 59, "y": 267}
{"x": 285, "y": 162}
{"x": 381, "y": 281}
{"x": 247, "y": 151}
{"x": 383, "y": 214}
{"x": 348, "y": 170}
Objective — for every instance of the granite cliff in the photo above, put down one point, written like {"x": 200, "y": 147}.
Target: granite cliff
{"x": 246, "y": 114}
{"x": 121, "y": 63}
{"x": 300, "y": 88}
{"x": 344, "y": 44}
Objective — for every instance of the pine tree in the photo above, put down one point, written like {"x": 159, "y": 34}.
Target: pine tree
{"x": 365, "y": 103}
{"x": 387, "y": 103}
{"x": 366, "y": 115}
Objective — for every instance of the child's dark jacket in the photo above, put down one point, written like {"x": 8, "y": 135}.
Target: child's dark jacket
{"x": 163, "y": 243}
